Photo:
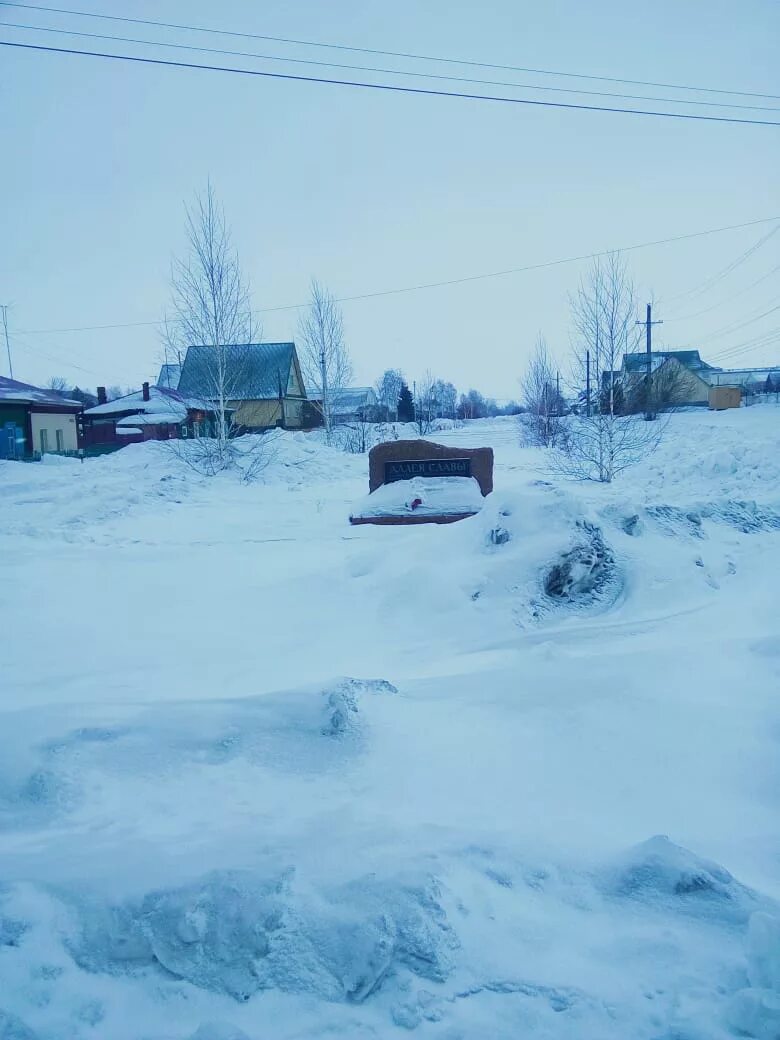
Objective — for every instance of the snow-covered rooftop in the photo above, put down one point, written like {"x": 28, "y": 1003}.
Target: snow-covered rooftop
{"x": 161, "y": 402}
{"x": 26, "y": 393}
{"x": 347, "y": 400}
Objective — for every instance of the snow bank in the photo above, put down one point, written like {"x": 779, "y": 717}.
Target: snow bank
{"x": 237, "y": 934}
{"x": 206, "y": 836}
{"x": 422, "y": 496}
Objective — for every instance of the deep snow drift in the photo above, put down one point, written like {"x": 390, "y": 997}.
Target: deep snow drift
{"x": 266, "y": 775}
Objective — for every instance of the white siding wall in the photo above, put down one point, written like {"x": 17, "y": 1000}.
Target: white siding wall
{"x": 51, "y": 422}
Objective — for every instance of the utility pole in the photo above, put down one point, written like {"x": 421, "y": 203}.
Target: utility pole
{"x": 557, "y": 393}
{"x": 587, "y": 383}
{"x": 648, "y": 324}
{"x": 325, "y": 404}
{"x": 4, "y": 309}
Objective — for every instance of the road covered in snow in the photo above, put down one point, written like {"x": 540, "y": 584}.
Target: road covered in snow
{"x": 264, "y": 774}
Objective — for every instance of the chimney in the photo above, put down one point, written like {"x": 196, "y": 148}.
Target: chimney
{"x": 101, "y": 395}
{"x": 145, "y": 389}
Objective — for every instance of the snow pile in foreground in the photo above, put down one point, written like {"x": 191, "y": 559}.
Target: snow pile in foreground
{"x": 429, "y": 496}
{"x": 554, "y": 816}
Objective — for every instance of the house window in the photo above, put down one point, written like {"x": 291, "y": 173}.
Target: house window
{"x": 44, "y": 441}
{"x": 184, "y": 431}
{"x": 60, "y": 440}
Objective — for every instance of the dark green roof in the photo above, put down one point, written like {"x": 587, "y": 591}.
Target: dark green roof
{"x": 254, "y": 371}
{"x": 687, "y": 358}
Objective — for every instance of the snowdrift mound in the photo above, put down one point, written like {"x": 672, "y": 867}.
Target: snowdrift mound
{"x": 51, "y": 773}
{"x": 237, "y": 933}
{"x": 666, "y": 876}
{"x": 755, "y": 1010}
{"x": 69, "y": 498}
{"x": 477, "y": 948}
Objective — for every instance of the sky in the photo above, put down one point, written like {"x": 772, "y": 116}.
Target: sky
{"x": 370, "y": 191}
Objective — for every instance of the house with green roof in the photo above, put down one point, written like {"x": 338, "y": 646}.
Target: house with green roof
{"x": 679, "y": 377}
{"x": 261, "y": 382}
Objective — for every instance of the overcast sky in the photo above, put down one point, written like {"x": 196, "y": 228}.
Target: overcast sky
{"x": 371, "y": 191}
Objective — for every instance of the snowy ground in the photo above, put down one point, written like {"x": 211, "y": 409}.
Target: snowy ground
{"x": 265, "y": 775}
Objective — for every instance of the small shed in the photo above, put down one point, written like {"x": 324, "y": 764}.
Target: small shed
{"x": 722, "y": 397}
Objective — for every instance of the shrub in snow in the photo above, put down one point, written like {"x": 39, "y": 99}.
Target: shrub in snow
{"x": 582, "y": 571}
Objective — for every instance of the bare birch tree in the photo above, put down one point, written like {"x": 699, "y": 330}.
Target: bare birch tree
{"x": 211, "y": 308}
{"x": 325, "y": 360}
{"x": 605, "y": 441}
{"x": 388, "y": 390}
{"x": 425, "y": 403}
{"x": 541, "y": 424}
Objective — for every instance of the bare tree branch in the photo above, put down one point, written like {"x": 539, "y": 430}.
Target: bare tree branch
{"x": 541, "y": 424}
{"x": 603, "y": 443}
{"x": 211, "y": 307}
{"x": 325, "y": 360}
{"x": 388, "y": 390}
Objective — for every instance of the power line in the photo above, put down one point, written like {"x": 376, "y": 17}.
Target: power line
{"x": 390, "y": 87}
{"x": 442, "y": 284}
{"x": 384, "y": 53}
{"x": 736, "y": 326}
{"x": 748, "y": 345}
{"x": 59, "y": 360}
{"x": 384, "y": 71}
{"x": 728, "y": 299}
{"x": 708, "y": 283}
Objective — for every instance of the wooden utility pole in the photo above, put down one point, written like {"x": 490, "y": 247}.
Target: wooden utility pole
{"x": 587, "y": 383}
{"x": 325, "y": 401}
{"x": 648, "y": 324}
{"x": 4, "y": 309}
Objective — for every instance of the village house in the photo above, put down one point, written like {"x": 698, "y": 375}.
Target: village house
{"x": 169, "y": 376}
{"x": 749, "y": 380}
{"x": 261, "y": 381}
{"x": 151, "y": 413}
{"x": 682, "y": 378}
{"x": 35, "y": 422}
{"x": 349, "y": 404}
{"x": 679, "y": 377}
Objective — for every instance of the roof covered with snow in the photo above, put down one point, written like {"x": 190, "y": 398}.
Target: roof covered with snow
{"x": 12, "y": 391}
{"x": 348, "y": 399}
{"x": 169, "y": 376}
{"x": 151, "y": 419}
{"x": 162, "y": 403}
{"x": 254, "y": 371}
